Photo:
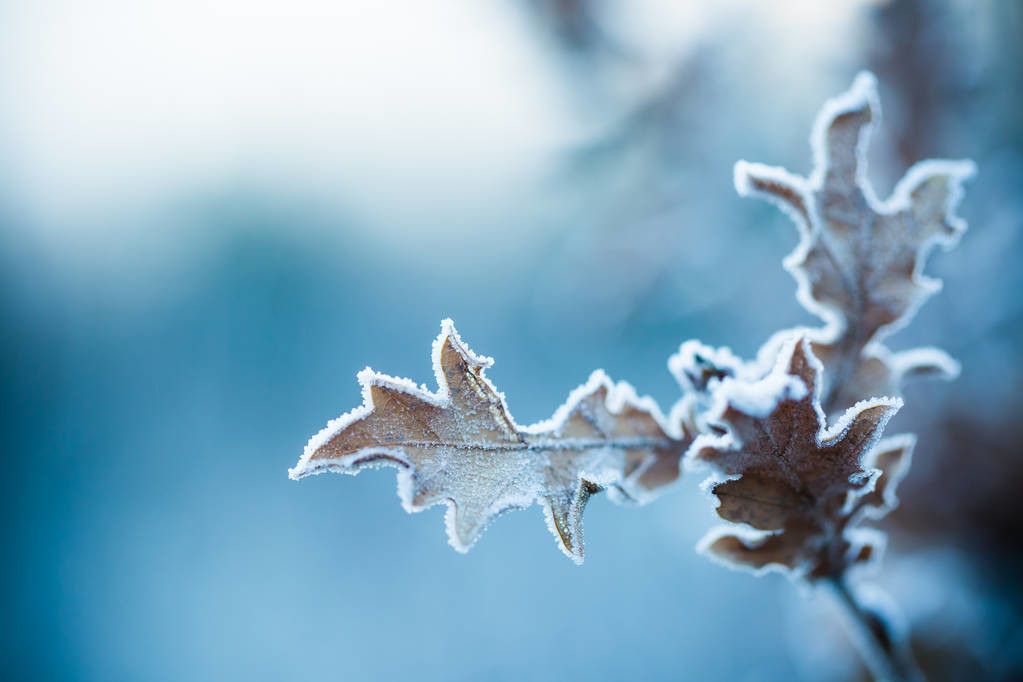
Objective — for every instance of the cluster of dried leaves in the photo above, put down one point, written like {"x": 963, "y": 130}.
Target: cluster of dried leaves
{"x": 859, "y": 267}
{"x": 791, "y": 486}
{"x": 789, "y": 476}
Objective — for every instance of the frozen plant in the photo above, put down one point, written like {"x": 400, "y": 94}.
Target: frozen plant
{"x": 792, "y": 439}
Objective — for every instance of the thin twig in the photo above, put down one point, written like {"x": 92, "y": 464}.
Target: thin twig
{"x": 886, "y": 654}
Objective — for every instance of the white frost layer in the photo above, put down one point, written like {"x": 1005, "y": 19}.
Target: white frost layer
{"x": 693, "y": 356}
{"x": 605, "y": 471}
{"x": 839, "y": 428}
{"x": 748, "y": 535}
{"x": 620, "y": 395}
{"x": 918, "y": 362}
{"x": 905, "y": 442}
{"x": 760, "y": 398}
{"x": 861, "y": 95}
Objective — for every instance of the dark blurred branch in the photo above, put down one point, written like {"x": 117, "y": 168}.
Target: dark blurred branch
{"x": 577, "y": 29}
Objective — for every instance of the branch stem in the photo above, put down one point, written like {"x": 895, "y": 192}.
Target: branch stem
{"x": 885, "y": 653}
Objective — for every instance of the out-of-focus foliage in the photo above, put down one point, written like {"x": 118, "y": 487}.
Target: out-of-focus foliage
{"x": 860, "y": 261}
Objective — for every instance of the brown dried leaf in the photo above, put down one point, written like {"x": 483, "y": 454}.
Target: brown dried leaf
{"x": 776, "y": 437}
{"x": 761, "y": 552}
{"x": 859, "y": 264}
{"x": 787, "y": 473}
{"x": 827, "y": 542}
{"x": 460, "y": 446}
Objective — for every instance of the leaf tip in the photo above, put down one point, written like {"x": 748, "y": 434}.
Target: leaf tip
{"x": 860, "y": 98}
{"x": 863, "y": 423}
{"x": 564, "y": 519}
{"x": 924, "y": 363}
{"x": 841, "y": 131}
{"x": 864, "y": 86}
{"x": 741, "y": 178}
{"x": 449, "y": 350}
{"x": 461, "y": 536}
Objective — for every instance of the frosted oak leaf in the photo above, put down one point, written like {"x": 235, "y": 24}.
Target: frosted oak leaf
{"x": 787, "y": 477}
{"x": 802, "y": 547}
{"x": 859, "y": 262}
{"x": 461, "y": 447}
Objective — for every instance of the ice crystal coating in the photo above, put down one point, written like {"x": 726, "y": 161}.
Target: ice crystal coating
{"x": 699, "y": 370}
{"x": 787, "y": 477}
{"x": 859, "y": 262}
{"x": 460, "y": 446}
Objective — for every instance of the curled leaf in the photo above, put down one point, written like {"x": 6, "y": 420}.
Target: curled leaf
{"x": 859, "y": 262}
{"x": 759, "y": 552}
{"x": 699, "y": 370}
{"x": 891, "y": 457}
{"x": 461, "y": 447}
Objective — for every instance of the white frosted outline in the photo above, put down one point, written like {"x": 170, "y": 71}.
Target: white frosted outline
{"x": 840, "y": 427}
{"x": 575, "y": 514}
{"x": 685, "y": 358}
{"x": 856, "y": 537}
{"x": 890, "y": 497}
{"x": 871, "y": 474}
{"x": 707, "y": 489}
{"x": 618, "y": 396}
{"x": 752, "y": 538}
{"x": 905, "y": 364}
{"x": 860, "y": 537}
{"x": 548, "y": 518}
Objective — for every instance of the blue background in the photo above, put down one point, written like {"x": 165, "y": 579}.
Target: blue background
{"x": 213, "y": 215}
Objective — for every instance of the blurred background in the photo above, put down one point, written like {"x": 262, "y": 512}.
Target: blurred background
{"x": 213, "y": 214}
